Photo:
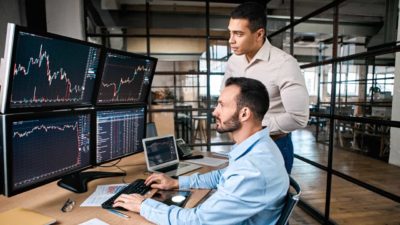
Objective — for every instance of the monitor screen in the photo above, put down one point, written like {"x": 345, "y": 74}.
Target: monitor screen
{"x": 40, "y": 149}
{"x": 125, "y": 78}
{"x": 160, "y": 150}
{"x": 48, "y": 70}
{"x": 119, "y": 132}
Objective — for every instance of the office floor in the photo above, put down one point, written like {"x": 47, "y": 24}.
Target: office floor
{"x": 350, "y": 204}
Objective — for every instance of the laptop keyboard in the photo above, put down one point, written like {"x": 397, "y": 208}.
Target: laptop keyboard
{"x": 136, "y": 186}
{"x": 183, "y": 165}
{"x": 168, "y": 168}
{"x": 172, "y": 167}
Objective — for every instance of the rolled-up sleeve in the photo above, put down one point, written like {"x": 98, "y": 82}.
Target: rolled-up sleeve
{"x": 206, "y": 181}
{"x": 231, "y": 204}
{"x": 295, "y": 100}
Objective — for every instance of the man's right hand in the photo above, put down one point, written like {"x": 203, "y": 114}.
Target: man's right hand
{"x": 162, "y": 181}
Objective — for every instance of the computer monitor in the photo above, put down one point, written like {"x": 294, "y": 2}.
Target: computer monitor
{"x": 125, "y": 78}
{"x": 119, "y": 132}
{"x": 46, "y": 71}
{"x": 42, "y": 147}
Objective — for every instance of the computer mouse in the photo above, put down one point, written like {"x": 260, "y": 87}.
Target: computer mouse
{"x": 178, "y": 198}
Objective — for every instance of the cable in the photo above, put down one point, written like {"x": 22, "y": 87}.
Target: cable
{"x": 112, "y": 165}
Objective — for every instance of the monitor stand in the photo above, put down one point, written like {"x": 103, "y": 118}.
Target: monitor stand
{"x": 77, "y": 182}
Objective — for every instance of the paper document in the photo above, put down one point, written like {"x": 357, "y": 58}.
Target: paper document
{"x": 94, "y": 221}
{"x": 208, "y": 161}
{"x": 102, "y": 194}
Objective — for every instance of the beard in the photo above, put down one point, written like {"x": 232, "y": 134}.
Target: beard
{"x": 232, "y": 124}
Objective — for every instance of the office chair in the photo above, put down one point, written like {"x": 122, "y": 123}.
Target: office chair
{"x": 151, "y": 130}
{"x": 291, "y": 200}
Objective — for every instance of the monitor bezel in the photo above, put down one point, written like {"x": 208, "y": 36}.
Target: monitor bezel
{"x": 6, "y": 125}
{"x": 2, "y": 149}
{"x": 41, "y": 108}
{"x": 101, "y": 70}
{"x": 94, "y": 123}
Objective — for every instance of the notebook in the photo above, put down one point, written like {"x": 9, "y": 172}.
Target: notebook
{"x": 162, "y": 156}
{"x": 21, "y": 216}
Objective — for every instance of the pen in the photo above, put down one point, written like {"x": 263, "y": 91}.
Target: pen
{"x": 118, "y": 213}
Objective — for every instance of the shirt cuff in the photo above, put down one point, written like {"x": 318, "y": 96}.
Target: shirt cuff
{"x": 184, "y": 182}
{"x": 147, "y": 207}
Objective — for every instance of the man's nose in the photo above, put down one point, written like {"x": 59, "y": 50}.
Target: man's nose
{"x": 214, "y": 113}
{"x": 231, "y": 39}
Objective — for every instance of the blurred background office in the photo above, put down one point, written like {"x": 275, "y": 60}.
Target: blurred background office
{"x": 347, "y": 159}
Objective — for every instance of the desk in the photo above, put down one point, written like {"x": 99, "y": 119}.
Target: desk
{"x": 48, "y": 199}
{"x": 369, "y": 139}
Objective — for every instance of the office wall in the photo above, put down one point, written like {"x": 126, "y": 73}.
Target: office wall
{"x": 65, "y": 18}
{"x": 168, "y": 45}
{"x": 11, "y": 11}
{"x": 68, "y": 21}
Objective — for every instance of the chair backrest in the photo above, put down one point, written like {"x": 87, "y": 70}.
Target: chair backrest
{"x": 151, "y": 130}
{"x": 291, "y": 200}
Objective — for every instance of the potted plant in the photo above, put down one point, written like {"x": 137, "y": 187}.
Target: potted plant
{"x": 375, "y": 92}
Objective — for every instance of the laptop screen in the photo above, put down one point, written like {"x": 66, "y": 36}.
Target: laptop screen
{"x": 160, "y": 150}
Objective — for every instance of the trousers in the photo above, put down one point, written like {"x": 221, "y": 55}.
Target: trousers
{"x": 285, "y": 145}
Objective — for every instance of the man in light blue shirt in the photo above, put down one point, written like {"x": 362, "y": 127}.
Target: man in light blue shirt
{"x": 250, "y": 190}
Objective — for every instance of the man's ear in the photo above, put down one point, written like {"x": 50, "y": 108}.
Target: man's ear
{"x": 244, "y": 114}
{"x": 260, "y": 34}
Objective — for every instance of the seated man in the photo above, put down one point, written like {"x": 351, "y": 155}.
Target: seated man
{"x": 250, "y": 190}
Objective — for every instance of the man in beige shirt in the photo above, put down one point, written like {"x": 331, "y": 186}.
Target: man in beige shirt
{"x": 254, "y": 57}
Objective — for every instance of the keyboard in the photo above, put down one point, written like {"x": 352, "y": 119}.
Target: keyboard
{"x": 136, "y": 186}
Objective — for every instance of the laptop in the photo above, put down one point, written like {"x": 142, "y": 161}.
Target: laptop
{"x": 162, "y": 156}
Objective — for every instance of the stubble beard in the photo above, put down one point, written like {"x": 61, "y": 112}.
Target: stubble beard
{"x": 231, "y": 125}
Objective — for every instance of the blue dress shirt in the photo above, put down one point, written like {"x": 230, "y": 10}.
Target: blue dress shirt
{"x": 250, "y": 190}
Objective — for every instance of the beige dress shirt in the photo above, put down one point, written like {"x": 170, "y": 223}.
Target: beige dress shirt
{"x": 280, "y": 73}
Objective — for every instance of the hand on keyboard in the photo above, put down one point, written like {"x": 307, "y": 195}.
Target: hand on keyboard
{"x": 162, "y": 181}
{"x": 138, "y": 186}
{"x": 130, "y": 202}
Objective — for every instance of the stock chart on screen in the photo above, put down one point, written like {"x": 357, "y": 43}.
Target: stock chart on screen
{"x": 49, "y": 147}
{"x": 50, "y": 71}
{"x": 126, "y": 78}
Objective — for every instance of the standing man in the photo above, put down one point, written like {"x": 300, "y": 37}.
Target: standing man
{"x": 254, "y": 57}
{"x": 250, "y": 190}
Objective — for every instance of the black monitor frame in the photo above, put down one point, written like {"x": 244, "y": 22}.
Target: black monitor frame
{"x": 10, "y": 60}
{"x": 101, "y": 71}
{"x": 6, "y": 124}
{"x": 94, "y": 123}
{"x": 1, "y": 162}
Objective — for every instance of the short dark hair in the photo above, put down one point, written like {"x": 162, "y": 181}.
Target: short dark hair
{"x": 253, "y": 94}
{"x": 252, "y": 11}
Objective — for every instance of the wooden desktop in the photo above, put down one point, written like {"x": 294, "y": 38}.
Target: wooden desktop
{"x": 49, "y": 199}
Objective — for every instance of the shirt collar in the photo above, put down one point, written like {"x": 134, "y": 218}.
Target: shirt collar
{"x": 264, "y": 52}
{"x": 240, "y": 149}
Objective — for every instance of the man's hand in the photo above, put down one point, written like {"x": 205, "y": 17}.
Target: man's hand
{"x": 130, "y": 202}
{"x": 161, "y": 181}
